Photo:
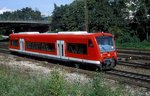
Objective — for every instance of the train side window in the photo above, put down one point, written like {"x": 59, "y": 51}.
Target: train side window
{"x": 41, "y": 46}
{"x": 77, "y": 48}
{"x": 14, "y": 43}
{"x": 90, "y": 44}
{"x": 50, "y": 46}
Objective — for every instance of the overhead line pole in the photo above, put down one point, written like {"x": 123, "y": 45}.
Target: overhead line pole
{"x": 86, "y": 17}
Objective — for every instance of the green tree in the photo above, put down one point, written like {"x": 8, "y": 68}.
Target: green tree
{"x": 23, "y": 14}
{"x": 102, "y": 16}
{"x": 68, "y": 17}
{"x": 141, "y": 21}
{"x": 119, "y": 17}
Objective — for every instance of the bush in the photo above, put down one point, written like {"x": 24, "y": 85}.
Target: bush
{"x": 57, "y": 84}
{"x": 128, "y": 41}
{"x": 145, "y": 45}
{"x": 14, "y": 83}
{"x": 127, "y": 38}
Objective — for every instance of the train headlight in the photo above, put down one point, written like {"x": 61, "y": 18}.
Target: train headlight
{"x": 101, "y": 55}
{"x": 115, "y": 54}
{"x": 108, "y": 55}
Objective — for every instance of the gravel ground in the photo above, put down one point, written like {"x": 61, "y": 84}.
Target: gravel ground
{"x": 34, "y": 67}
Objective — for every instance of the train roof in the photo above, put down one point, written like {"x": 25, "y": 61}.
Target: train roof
{"x": 61, "y": 34}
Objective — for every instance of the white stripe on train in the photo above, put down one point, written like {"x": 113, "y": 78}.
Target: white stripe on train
{"x": 57, "y": 57}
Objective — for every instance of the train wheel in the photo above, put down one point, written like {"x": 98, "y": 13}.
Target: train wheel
{"x": 99, "y": 68}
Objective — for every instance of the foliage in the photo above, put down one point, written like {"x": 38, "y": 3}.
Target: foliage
{"x": 115, "y": 16}
{"x": 127, "y": 38}
{"x": 57, "y": 84}
{"x": 70, "y": 17}
{"x": 141, "y": 20}
{"x": 144, "y": 45}
{"x": 16, "y": 83}
{"x": 123, "y": 18}
{"x": 133, "y": 42}
{"x": 3, "y": 31}
{"x": 23, "y": 14}
{"x": 102, "y": 15}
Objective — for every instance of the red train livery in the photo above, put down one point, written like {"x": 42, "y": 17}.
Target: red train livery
{"x": 83, "y": 47}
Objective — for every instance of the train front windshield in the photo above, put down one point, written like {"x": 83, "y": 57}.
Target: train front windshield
{"x": 105, "y": 43}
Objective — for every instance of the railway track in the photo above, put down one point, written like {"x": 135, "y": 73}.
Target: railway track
{"x": 4, "y": 45}
{"x": 134, "y": 54}
{"x": 130, "y": 78}
{"x": 133, "y": 64}
{"x": 137, "y": 52}
{"x": 141, "y": 77}
{"x": 4, "y": 48}
{"x": 6, "y": 51}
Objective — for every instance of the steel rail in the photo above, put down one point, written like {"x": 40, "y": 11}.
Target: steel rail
{"x": 6, "y": 51}
{"x": 136, "y": 65}
{"x": 137, "y": 52}
{"x": 136, "y": 76}
{"x": 134, "y": 56}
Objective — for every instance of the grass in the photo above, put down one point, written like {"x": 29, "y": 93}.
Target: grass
{"x": 145, "y": 45}
{"x": 17, "y": 83}
{"x": 14, "y": 83}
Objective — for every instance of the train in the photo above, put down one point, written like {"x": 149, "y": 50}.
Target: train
{"x": 96, "y": 49}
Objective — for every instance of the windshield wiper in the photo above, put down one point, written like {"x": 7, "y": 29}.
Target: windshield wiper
{"x": 103, "y": 48}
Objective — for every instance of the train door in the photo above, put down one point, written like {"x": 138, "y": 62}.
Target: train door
{"x": 21, "y": 44}
{"x": 61, "y": 49}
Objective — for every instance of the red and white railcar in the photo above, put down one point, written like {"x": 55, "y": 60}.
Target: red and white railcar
{"x": 90, "y": 48}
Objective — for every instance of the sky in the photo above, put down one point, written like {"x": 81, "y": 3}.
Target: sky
{"x": 46, "y": 7}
